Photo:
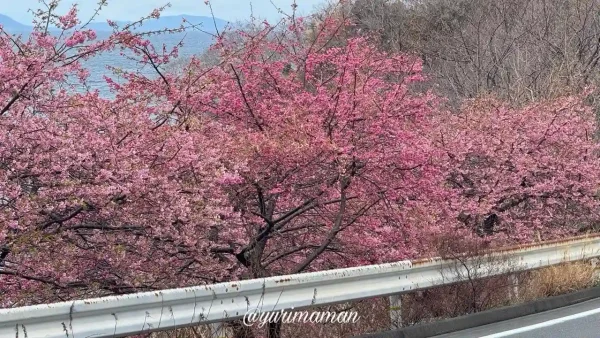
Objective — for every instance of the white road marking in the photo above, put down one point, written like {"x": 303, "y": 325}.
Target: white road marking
{"x": 543, "y": 324}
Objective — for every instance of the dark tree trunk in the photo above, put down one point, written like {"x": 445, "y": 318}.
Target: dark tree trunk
{"x": 240, "y": 330}
{"x": 274, "y": 330}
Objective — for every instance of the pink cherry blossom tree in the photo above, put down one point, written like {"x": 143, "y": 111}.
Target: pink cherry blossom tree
{"x": 338, "y": 163}
{"x": 523, "y": 173}
{"x": 97, "y": 195}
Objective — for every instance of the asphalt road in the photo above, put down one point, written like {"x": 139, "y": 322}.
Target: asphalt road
{"x": 576, "y": 321}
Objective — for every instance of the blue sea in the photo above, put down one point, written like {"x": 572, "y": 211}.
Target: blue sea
{"x": 194, "y": 44}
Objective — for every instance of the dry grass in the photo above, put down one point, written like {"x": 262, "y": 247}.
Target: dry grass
{"x": 456, "y": 300}
{"x": 203, "y": 331}
{"x": 558, "y": 279}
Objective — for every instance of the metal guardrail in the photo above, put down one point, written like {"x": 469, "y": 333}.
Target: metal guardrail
{"x": 151, "y": 311}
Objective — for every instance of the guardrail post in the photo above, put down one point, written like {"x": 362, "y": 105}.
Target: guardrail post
{"x": 395, "y": 312}
{"x": 596, "y": 273}
{"x": 513, "y": 291}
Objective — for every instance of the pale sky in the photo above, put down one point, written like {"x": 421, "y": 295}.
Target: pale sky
{"x": 230, "y": 10}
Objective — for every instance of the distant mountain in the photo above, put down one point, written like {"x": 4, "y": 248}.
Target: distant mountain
{"x": 171, "y": 22}
{"x": 11, "y": 25}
